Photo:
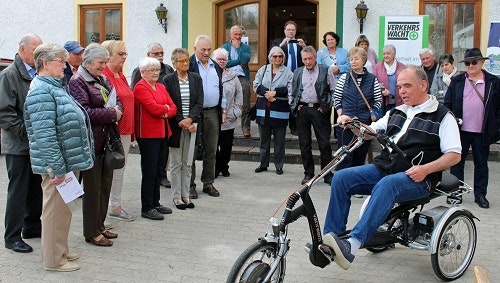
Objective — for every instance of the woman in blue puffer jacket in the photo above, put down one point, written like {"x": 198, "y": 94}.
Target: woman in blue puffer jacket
{"x": 60, "y": 141}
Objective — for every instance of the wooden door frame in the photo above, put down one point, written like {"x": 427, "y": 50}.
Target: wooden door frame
{"x": 448, "y": 45}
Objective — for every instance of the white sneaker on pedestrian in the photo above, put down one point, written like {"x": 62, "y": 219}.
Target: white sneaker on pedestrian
{"x": 68, "y": 266}
{"x": 122, "y": 215}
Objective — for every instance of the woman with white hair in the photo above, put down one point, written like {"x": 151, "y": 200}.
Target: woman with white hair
{"x": 153, "y": 106}
{"x": 92, "y": 90}
{"x": 233, "y": 92}
{"x": 273, "y": 85}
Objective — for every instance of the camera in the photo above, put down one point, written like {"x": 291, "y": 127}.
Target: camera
{"x": 293, "y": 41}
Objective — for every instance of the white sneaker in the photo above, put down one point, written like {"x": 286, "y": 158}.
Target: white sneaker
{"x": 122, "y": 215}
{"x": 69, "y": 266}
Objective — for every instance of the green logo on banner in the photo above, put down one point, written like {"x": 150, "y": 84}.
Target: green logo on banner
{"x": 413, "y": 35}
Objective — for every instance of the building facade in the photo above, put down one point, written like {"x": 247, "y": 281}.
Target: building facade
{"x": 454, "y": 24}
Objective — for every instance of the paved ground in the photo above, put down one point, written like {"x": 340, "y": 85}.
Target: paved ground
{"x": 200, "y": 245}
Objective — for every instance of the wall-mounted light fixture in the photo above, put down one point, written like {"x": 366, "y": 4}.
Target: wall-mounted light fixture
{"x": 361, "y": 11}
{"x": 161, "y": 15}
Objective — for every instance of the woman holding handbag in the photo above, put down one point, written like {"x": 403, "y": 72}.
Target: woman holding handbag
{"x": 357, "y": 94}
{"x": 92, "y": 91}
{"x": 273, "y": 84}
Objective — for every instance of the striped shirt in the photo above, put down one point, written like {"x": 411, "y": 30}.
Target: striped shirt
{"x": 184, "y": 86}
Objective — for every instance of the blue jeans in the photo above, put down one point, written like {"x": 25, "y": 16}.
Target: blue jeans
{"x": 385, "y": 191}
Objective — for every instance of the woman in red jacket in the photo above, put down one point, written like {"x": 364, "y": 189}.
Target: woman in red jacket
{"x": 152, "y": 107}
{"x": 113, "y": 71}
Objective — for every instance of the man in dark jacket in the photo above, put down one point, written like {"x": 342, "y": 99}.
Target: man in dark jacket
{"x": 24, "y": 193}
{"x": 213, "y": 105}
{"x": 311, "y": 103}
{"x": 474, "y": 97}
{"x": 74, "y": 60}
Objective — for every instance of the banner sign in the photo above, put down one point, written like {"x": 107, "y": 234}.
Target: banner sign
{"x": 493, "y": 51}
{"x": 409, "y": 34}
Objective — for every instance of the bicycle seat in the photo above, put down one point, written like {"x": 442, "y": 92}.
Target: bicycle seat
{"x": 448, "y": 183}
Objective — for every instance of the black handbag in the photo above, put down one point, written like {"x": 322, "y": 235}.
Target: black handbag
{"x": 114, "y": 155}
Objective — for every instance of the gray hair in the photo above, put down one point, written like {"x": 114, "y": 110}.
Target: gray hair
{"x": 391, "y": 47}
{"x": 176, "y": 52}
{"x": 201, "y": 37}
{"x": 419, "y": 72}
{"x": 153, "y": 45}
{"x": 47, "y": 52}
{"x": 308, "y": 49}
{"x": 276, "y": 49}
{"x": 426, "y": 50}
{"x": 148, "y": 62}
{"x": 220, "y": 52}
{"x": 231, "y": 30}
{"x": 26, "y": 39}
{"x": 92, "y": 52}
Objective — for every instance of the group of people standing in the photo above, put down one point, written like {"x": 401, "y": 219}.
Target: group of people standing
{"x": 58, "y": 107}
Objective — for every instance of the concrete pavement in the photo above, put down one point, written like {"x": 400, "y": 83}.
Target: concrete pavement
{"x": 200, "y": 245}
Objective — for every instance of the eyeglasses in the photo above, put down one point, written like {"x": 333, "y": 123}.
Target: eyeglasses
{"x": 60, "y": 61}
{"x": 157, "y": 53}
{"x": 121, "y": 54}
{"x": 153, "y": 70}
{"x": 221, "y": 59}
{"x": 277, "y": 56}
{"x": 185, "y": 61}
{"x": 471, "y": 62}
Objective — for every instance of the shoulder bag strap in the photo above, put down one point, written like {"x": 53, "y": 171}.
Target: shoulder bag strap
{"x": 477, "y": 92}
{"x": 360, "y": 92}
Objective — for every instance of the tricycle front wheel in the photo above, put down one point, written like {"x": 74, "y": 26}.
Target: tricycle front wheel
{"x": 254, "y": 264}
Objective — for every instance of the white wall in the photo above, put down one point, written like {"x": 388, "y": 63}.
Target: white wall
{"x": 371, "y": 23}
{"x": 55, "y": 23}
{"x": 142, "y": 28}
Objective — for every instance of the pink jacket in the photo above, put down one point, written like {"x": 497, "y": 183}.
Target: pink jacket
{"x": 381, "y": 74}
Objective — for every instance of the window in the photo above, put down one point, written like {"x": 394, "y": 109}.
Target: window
{"x": 100, "y": 23}
{"x": 454, "y": 25}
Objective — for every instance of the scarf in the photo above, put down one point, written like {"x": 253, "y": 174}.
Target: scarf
{"x": 390, "y": 69}
{"x": 447, "y": 78}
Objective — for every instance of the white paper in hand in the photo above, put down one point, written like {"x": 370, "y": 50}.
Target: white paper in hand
{"x": 70, "y": 189}
{"x": 112, "y": 98}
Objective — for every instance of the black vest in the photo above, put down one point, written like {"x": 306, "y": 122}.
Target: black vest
{"x": 420, "y": 143}
{"x": 353, "y": 104}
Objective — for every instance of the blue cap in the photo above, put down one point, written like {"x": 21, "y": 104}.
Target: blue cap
{"x": 73, "y": 47}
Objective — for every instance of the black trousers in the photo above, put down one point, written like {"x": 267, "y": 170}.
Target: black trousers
{"x": 279, "y": 133}
{"x": 320, "y": 122}
{"x": 151, "y": 168}
{"x": 163, "y": 162}
{"x": 358, "y": 156}
{"x": 224, "y": 149}
{"x": 24, "y": 198}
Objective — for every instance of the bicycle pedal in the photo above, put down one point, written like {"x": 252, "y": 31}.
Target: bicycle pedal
{"x": 327, "y": 251}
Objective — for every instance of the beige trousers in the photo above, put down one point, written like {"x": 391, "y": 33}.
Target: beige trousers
{"x": 56, "y": 221}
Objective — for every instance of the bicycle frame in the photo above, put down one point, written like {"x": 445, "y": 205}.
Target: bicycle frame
{"x": 308, "y": 210}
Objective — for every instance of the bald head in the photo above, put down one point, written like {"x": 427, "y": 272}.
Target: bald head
{"x": 27, "y": 46}
{"x": 412, "y": 84}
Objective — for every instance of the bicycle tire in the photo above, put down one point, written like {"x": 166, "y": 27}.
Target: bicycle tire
{"x": 254, "y": 263}
{"x": 456, "y": 246}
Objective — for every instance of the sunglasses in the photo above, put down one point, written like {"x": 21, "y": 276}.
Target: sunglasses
{"x": 277, "y": 56}
{"x": 469, "y": 63}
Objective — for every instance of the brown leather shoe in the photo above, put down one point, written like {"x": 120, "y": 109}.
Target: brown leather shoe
{"x": 246, "y": 134}
{"x": 193, "y": 193}
{"x": 211, "y": 191}
{"x": 103, "y": 242}
{"x": 109, "y": 234}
